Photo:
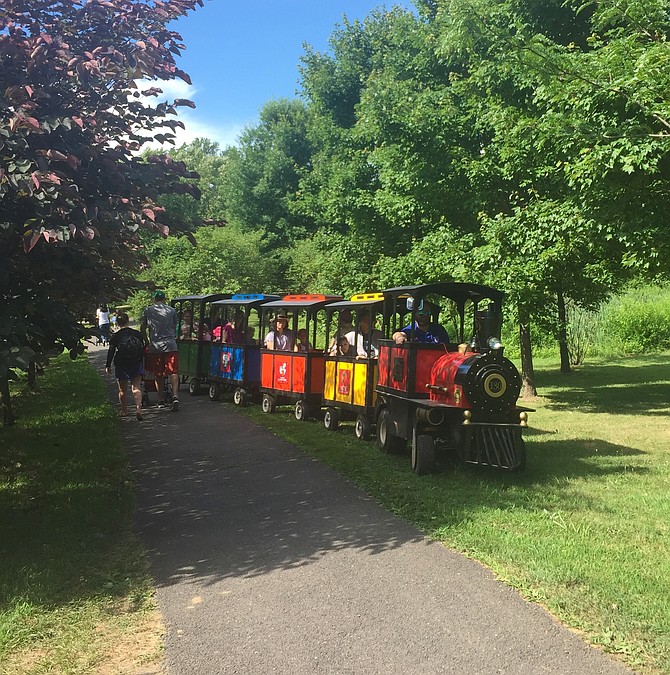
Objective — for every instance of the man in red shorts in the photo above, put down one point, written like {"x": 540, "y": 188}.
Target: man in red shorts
{"x": 159, "y": 327}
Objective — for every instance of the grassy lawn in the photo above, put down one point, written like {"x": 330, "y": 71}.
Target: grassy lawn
{"x": 75, "y": 596}
{"x": 584, "y": 531}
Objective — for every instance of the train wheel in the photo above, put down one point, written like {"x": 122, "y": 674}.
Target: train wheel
{"x": 214, "y": 392}
{"x": 386, "y": 441}
{"x": 300, "y": 410}
{"x": 194, "y": 386}
{"x": 331, "y": 419}
{"x": 423, "y": 453}
{"x": 268, "y": 404}
{"x": 239, "y": 396}
{"x": 363, "y": 427}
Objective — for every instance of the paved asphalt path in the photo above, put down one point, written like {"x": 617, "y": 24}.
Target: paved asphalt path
{"x": 266, "y": 561}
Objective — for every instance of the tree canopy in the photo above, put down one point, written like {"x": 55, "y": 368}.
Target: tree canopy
{"x": 77, "y": 104}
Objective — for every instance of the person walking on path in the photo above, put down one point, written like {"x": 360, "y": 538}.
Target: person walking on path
{"x": 159, "y": 327}
{"x": 102, "y": 315}
{"x": 126, "y": 349}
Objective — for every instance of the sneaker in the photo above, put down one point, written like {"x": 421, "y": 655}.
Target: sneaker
{"x": 175, "y": 404}
{"x": 161, "y": 404}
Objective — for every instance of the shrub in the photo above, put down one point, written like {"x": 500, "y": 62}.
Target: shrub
{"x": 638, "y": 321}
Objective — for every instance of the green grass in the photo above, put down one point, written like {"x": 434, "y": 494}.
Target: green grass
{"x": 584, "y": 531}
{"x": 74, "y": 583}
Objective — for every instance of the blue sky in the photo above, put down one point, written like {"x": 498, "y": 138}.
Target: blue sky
{"x": 242, "y": 53}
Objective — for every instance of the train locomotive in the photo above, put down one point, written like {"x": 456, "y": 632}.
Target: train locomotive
{"x": 460, "y": 395}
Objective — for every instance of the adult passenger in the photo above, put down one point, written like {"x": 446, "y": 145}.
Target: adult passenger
{"x": 159, "y": 326}
{"x": 280, "y": 338}
{"x": 366, "y": 338}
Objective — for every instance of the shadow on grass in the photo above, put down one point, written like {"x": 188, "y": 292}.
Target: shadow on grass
{"x": 641, "y": 388}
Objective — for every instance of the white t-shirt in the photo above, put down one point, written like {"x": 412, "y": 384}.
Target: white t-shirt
{"x": 361, "y": 343}
{"x": 103, "y": 317}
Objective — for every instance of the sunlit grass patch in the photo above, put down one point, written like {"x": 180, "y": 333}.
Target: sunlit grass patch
{"x": 584, "y": 530}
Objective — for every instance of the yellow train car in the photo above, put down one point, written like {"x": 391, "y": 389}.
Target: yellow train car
{"x": 351, "y": 362}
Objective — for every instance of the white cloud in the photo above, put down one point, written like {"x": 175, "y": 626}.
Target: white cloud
{"x": 225, "y": 135}
{"x": 196, "y": 127}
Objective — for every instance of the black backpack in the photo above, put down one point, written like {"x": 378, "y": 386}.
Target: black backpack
{"x": 131, "y": 346}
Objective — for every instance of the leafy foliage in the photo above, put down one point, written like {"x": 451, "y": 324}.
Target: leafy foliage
{"x": 73, "y": 188}
{"x": 224, "y": 260}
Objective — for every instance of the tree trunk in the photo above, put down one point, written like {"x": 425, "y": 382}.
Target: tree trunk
{"x": 32, "y": 376}
{"x": 528, "y": 388}
{"x": 563, "y": 335}
{"x": 8, "y": 418}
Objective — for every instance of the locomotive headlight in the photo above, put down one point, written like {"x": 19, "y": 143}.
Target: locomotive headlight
{"x": 494, "y": 343}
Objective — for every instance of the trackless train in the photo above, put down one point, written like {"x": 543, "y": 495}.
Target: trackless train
{"x": 382, "y": 359}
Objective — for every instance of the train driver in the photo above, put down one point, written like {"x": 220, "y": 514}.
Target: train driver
{"x": 425, "y": 330}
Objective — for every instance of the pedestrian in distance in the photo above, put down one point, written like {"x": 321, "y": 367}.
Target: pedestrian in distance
{"x": 159, "y": 328}
{"x": 102, "y": 316}
{"x": 126, "y": 350}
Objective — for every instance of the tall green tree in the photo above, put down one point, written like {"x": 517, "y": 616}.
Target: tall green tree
{"x": 260, "y": 182}
{"x": 73, "y": 190}
{"x": 389, "y": 136}
{"x": 223, "y": 260}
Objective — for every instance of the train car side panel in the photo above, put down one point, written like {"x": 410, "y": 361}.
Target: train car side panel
{"x": 360, "y": 389}
{"x": 317, "y": 368}
{"x": 330, "y": 380}
{"x": 298, "y": 369}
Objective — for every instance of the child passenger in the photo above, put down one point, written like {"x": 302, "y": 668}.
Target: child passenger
{"x": 303, "y": 344}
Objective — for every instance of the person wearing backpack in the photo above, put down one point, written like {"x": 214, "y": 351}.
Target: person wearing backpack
{"x": 126, "y": 349}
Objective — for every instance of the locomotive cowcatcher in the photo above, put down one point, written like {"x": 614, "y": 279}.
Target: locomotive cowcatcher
{"x": 459, "y": 395}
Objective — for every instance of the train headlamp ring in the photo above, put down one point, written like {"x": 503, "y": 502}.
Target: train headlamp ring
{"x": 495, "y": 385}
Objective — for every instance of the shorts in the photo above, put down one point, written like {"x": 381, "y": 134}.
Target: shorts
{"x": 162, "y": 363}
{"x": 128, "y": 371}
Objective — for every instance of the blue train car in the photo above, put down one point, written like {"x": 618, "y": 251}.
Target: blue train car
{"x": 235, "y": 357}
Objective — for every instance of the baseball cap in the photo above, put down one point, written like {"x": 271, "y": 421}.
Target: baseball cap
{"x": 159, "y": 295}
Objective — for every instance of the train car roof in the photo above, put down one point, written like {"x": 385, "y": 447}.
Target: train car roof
{"x": 362, "y": 299}
{"x": 458, "y": 292}
{"x": 253, "y": 299}
{"x": 302, "y": 301}
{"x": 202, "y": 298}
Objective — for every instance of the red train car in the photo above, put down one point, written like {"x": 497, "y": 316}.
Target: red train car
{"x": 293, "y": 371}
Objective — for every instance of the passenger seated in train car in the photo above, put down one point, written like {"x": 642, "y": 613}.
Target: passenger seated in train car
{"x": 234, "y": 333}
{"x": 185, "y": 328}
{"x": 425, "y": 330}
{"x": 303, "y": 344}
{"x": 345, "y": 348}
{"x": 206, "y": 335}
{"x": 250, "y": 337}
{"x": 280, "y": 338}
{"x": 367, "y": 338}
{"x": 345, "y": 325}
